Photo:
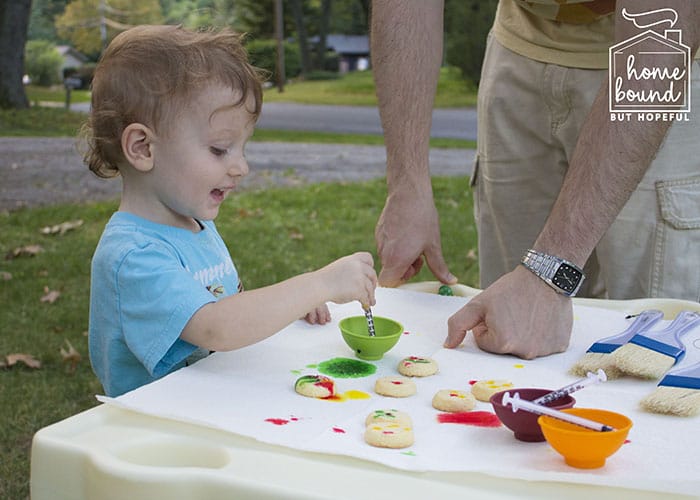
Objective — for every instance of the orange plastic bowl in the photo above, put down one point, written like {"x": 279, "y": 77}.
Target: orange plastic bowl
{"x": 584, "y": 448}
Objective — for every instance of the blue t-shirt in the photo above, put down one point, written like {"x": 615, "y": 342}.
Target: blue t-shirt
{"x": 147, "y": 281}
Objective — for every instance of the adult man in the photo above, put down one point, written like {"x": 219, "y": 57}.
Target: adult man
{"x": 553, "y": 169}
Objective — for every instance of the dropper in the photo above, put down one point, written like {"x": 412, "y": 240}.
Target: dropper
{"x": 590, "y": 379}
{"x": 520, "y": 404}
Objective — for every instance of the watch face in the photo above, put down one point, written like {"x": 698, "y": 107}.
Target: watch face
{"x": 567, "y": 278}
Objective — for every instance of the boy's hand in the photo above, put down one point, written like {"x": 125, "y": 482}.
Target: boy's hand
{"x": 351, "y": 278}
{"x": 319, "y": 316}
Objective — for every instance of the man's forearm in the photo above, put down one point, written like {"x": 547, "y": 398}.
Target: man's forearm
{"x": 406, "y": 55}
{"x": 610, "y": 158}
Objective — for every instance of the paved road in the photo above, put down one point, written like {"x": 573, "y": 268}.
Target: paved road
{"x": 455, "y": 123}
{"x": 45, "y": 171}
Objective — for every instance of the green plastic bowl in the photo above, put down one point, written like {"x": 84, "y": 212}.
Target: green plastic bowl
{"x": 355, "y": 334}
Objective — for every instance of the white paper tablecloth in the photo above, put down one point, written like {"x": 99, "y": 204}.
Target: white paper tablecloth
{"x": 251, "y": 392}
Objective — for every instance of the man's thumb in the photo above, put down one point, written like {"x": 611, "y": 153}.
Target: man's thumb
{"x": 461, "y": 322}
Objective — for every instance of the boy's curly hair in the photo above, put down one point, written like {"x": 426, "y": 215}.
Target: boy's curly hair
{"x": 150, "y": 73}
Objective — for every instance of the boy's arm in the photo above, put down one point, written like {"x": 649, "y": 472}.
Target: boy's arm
{"x": 248, "y": 317}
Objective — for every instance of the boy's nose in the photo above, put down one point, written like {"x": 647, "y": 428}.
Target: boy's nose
{"x": 239, "y": 167}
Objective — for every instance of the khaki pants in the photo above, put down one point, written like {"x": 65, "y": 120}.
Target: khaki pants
{"x": 529, "y": 117}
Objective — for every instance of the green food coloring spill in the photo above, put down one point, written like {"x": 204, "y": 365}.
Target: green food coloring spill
{"x": 346, "y": 368}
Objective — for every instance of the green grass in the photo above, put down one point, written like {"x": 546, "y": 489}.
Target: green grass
{"x": 357, "y": 89}
{"x": 262, "y": 228}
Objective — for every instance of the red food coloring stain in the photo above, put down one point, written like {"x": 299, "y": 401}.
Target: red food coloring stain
{"x": 397, "y": 382}
{"x": 281, "y": 421}
{"x": 277, "y": 421}
{"x": 406, "y": 333}
{"x": 627, "y": 441}
{"x": 475, "y": 418}
{"x": 472, "y": 382}
{"x": 338, "y": 430}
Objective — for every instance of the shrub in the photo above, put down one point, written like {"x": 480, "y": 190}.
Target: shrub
{"x": 42, "y": 62}
{"x": 263, "y": 54}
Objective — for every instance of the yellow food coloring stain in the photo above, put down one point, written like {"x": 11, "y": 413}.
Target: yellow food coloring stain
{"x": 348, "y": 396}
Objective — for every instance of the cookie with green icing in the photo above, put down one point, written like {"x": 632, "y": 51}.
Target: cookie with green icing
{"x": 390, "y": 416}
{"x": 315, "y": 386}
{"x": 416, "y": 366}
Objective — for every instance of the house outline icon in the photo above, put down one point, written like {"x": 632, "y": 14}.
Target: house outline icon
{"x": 667, "y": 45}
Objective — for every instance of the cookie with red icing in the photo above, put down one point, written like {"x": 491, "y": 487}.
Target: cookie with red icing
{"x": 395, "y": 387}
{"x": 416, "y": 366}
{"x": 315, "y": 386}
{"x": 453, "y": 401}
{"x": 389, "y": 435}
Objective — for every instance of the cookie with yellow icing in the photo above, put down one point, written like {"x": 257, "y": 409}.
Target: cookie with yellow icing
{"x": 416, "y": 366}
{"x": 484, "y": 389}
{"x": 391, "y": 416}
{"x": 389, "y": 435}
{"x": 453, "y": 401}
{"x": 395, "y": 387}
{"x": 315, "y": 386}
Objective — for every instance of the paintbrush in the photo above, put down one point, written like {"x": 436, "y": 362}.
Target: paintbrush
{"x": 598, "y": 357}
{"x": 678, "y": 393}
{"x": 370, "y": 320}
{"x": 651, "y": 355}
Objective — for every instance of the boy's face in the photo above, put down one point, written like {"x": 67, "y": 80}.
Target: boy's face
{"x": 200, "y": 158}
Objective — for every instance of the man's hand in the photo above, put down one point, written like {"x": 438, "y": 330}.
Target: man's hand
{"x": 519, "y": 314}
{"x": 408, "y": 230}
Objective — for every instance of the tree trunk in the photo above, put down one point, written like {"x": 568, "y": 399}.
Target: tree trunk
{"x": 298, "y": 13}
{"x": 323, "y": 34}
{"x": 14, "y": 21}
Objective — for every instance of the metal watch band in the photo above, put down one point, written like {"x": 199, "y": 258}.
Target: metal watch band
{"x": 546, "y": 266}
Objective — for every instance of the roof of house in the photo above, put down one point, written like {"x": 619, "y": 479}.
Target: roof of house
{"x": 65, "y": 50}
{"x": 346, "y": 44}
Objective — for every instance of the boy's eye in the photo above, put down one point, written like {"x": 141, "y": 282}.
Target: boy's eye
{"x": 217, "y": 151}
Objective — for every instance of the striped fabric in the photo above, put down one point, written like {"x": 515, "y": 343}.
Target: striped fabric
{"x": 569, "y": 11}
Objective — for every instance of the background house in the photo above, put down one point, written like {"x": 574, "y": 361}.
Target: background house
{"x": 71, "y": 57}
{"x": 352, "y": 50}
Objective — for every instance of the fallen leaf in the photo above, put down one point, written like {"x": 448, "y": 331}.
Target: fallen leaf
{"x": 62, "y": 228}
{"x": 295, "y": 235}
{"x": 27, "y": 359}
{"x": 50, "y": 296}
{"x": 71, "y": 357}
{"x": 25, "y": 251}
{"x": 5, "y": 276}
{"x": 471, "y": 254}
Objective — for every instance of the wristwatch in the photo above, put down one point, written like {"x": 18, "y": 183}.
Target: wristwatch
{"x": 562, "y": 275}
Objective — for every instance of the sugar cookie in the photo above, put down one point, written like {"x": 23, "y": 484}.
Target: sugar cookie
{"x": 415, "y": 366}
{"x": 315, "y": 386}
{"x": 395, "y": 387}
{"x": 389, "y": 435}
{"x": 453, "y": 401}
{"x": 389, "y": 416}
{"x": 484, "y": 389}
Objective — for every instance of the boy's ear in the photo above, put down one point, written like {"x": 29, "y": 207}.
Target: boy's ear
{"x": 137, "y": 141}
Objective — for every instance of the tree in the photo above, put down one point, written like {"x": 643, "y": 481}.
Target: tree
{"x": 14, "y": 20}
{"x": 42, "y": 62}
{"x": 91, "y": 24}
{"x": 466, "y": 28}
{"x": 41, "y": 22}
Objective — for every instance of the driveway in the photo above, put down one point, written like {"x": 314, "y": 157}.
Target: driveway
{"x": 46, "y": 171}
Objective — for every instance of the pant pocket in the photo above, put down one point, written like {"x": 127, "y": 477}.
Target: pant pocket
{"x": 676, "y": 272}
